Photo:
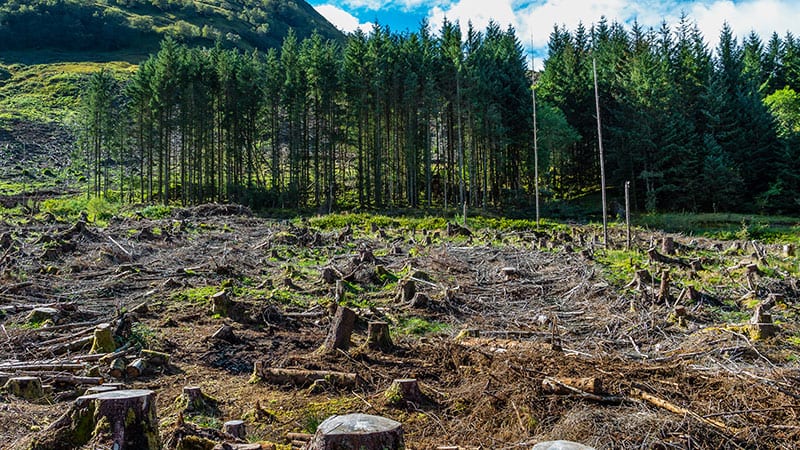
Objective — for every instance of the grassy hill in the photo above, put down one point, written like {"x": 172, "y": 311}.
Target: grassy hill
{"x": 47, "y": 47}
{"x": 44, "y": 31}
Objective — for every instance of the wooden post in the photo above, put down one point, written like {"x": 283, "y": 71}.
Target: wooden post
{"x": 340, "y": 331}
{"x": 358, "y": 431}
{"x": 602, "y": 159}
{"x": 535, "y": 138}
{"x": 628, "y": 214}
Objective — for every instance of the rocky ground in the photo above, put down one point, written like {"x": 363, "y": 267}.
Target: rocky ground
{"x": 514, "y": 337}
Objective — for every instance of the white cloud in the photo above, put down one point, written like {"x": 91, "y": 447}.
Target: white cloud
{"x": 537, "y": 18}
{"x": 342, "y": 19}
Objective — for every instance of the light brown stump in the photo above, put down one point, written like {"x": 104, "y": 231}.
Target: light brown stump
{"x": 663, "y": 290}
{"x": 235, "y": 428}
{"x": 340, "y": 331}
{"x": 788, "y": 251}
{"x": 378, "y": 337}
{"x": 220, "y": 303}
{"x": 358, "y": 431}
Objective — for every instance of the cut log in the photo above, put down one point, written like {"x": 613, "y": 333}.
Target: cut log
{"x": 404, "y": 391}
{"x": 302, "y": 377}
{"x": 235, "y": 428}
{"x": 117, "y": 368}
{"x": 378, "y": 337}
{"x": 130, "y": 416}
{"x": 29, "y": 388}
{"x": 561, "y": 445}
{"x": 358, "y": 431}
{"x": 103, "y": 339}
{"x": 340, "y": 331}
{"x": 154, "y": 358}
{"x": 136, "y": 368}
{"x": 561, "y": 385}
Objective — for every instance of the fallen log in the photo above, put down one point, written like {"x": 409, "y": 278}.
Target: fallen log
{"x": 43, "y": 366}
{"x": 671, "y": 407}
{"x": 302, "y": 377}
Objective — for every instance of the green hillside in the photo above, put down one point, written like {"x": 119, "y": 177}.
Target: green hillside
{"x": 43, "y": 31}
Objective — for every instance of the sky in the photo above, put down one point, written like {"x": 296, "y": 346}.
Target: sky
{"x": 535, "y": 19}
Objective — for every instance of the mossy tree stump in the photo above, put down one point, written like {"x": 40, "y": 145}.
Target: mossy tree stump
{"x": 29, "y": 388}
{"x": 103, "y": 339}
{"x": 358, "y": 431}
{"x": 235, "y": 428}
{"x": 125, "y": 419}
{"x": 404, "y": 391}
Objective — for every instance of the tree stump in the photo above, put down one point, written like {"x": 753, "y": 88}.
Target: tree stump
{"x": 668, "y": 246}
{"x": 404, "y": 391}
{"x": 103, "y": 339}
{"x": 663, "y": 290}
{"x": 340, "y": 331}
{"x": 29, "y": 388}
{"x": 220, "y": 302}
{"x": 129, "y": 417}
{"x": 407, "y": 290}
{"x": 378, "y": 337}
{"x": 788, "y": 251}
{"x": 358, "y": 431}
{"x": 761, "y": 325}
{"x": 235, "y": 428}
{"x": 196, "y": 401}
{"x": 329, "y": 275}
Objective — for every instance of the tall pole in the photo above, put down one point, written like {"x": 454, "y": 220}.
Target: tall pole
{"x": 628, "y": 213}
{"x": 602, "y": 159}
{"x": 535, "y": 136}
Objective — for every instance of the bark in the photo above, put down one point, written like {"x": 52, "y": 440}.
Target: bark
{"x": 302, "y": 377}
{"x": 340, "y": 331}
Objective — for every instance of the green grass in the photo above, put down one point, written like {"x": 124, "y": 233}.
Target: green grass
{"x": 417, "y": 326}
{"x": 49, "y": 92}
{"x": 726, "y": 226}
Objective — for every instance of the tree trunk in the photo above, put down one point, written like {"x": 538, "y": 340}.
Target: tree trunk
{"x": 358, "y": 431}
{"x": 340, "y": 331}
{"x": 378, "y": 337}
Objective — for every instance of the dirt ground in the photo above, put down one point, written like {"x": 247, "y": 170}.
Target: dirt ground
{"x": 497, "y": 318}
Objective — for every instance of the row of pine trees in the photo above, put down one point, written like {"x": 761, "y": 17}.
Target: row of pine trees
{"x": 419, "y": 119}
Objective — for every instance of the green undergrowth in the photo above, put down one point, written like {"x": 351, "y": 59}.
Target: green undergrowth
{"x": 49, "y": 92}
{"x": 769, "y": 229}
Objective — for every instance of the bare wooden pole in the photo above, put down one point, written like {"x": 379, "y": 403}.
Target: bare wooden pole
{"x": 535, "y": 136}
{"x": 602, "y": 159}
{"x": 628, "y": 213}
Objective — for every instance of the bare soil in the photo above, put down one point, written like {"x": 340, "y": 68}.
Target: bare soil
{"x": 501, "y": 314}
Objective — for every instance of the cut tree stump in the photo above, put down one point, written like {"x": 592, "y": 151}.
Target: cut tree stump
{"x": 408, "y": 288}
{"x": 29, "y": 388}
{"x": 195, "y": 401}
{"x": 668, "y": 246}
{"x": 128, "y": 415}
{"x": 235, "y": 428}
{"x": 103, "y": 339}
{"x": 404, "y": 391}
{"x": 341, "y": 329}
{"x": 220, "y": 303}
{"x": 358, "y": 431}
{"x": 663, "y": 290}
{"x": 378, "y": 337}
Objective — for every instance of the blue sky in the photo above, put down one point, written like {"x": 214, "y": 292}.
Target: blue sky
{"x": 537, "y": 17}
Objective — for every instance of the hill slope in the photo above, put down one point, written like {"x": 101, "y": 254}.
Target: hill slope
{"x": 131, "y": 29}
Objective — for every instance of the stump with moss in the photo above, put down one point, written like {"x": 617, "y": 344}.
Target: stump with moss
{"x": 29, "y": 388}
{"x": 378, "y": 337}
{"x": 103, "y": 339}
